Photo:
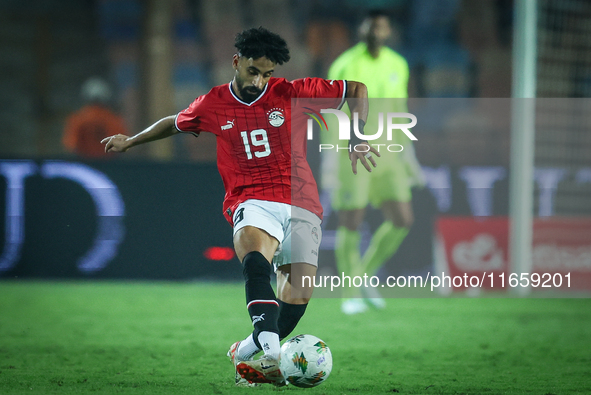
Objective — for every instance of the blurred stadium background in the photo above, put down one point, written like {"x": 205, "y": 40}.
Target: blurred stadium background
{"x": 154, "y": 213}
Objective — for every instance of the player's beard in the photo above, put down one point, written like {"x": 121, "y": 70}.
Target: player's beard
{"x": 249, "y": 93}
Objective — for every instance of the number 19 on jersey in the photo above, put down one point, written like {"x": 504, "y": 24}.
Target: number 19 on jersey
{"x": 257, "y": 138}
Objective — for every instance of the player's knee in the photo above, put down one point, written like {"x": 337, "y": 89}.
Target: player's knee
{"x": 402, "y": 220}
{"x": 304, "y": 300}
{"x": 351, "y": 219}
{"x": 300, "y": 299}
{"x": 300, "y": 289}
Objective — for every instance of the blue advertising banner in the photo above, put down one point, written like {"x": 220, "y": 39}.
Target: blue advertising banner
{"x": 113, "y": 220}
{"x": 146, "y": 220}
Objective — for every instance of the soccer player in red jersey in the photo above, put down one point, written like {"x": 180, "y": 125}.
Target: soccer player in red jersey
{"x": 271, "y": 197}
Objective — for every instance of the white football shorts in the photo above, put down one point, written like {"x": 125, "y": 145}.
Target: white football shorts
{"x": 297, "y": 230}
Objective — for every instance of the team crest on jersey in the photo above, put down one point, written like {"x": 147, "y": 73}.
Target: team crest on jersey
{"x": 276, "y": 117}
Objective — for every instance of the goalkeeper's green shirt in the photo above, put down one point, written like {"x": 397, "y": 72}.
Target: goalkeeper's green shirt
{"x": 386, "y": 77}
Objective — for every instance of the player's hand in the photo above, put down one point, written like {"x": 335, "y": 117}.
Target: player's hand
{"x": 364, "y": 155}
{"x": 116, "y": 143}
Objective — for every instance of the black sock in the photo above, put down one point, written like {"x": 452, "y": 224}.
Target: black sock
{"x": 260, "y": 297}
{"x": 289, "y": 316}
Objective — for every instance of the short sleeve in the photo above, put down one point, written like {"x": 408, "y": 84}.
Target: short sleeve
{"x": 190, "y": 119}
{"x": 319, "y": 88}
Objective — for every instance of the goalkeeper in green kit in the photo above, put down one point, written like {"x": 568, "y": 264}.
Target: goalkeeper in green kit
{"x": 387, "y": 187}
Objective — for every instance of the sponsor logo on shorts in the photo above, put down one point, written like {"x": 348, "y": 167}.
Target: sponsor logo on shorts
{"x": 315, "y": 235}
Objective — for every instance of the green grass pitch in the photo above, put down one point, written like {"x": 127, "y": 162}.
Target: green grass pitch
{"x": 172, "y": 338}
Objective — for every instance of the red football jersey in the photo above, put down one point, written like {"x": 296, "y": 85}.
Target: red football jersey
{"x": 261, "y": 146}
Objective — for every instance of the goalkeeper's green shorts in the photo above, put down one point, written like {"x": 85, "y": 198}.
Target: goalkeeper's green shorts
{"x": 389, "y": 181}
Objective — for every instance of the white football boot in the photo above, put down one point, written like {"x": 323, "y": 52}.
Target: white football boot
{"x": 373, "y": 297}
{"x": 232, "y": 353}
{"x": 262, "y": 370}
{"x": 353, "y": 306}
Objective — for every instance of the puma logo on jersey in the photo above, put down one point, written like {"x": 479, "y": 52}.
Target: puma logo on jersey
{"x": 229, "y": 125}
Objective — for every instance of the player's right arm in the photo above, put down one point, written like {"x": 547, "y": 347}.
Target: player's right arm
{"x": 357, "y": 92}
{"x": 159, "y": 130}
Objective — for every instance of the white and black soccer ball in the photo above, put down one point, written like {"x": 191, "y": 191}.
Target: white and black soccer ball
{"x": 306, "y": 361}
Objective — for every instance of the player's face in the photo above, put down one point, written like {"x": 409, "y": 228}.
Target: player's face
{"x": 251, "y": 76}
{"x": 375, "y": 31}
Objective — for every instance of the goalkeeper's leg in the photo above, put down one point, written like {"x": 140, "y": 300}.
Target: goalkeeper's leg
{"x": 388, "y": 237}
{"x": 348, "y": 257}
{"x": 385, "y": 242}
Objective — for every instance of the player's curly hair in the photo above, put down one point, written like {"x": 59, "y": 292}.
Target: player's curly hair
{"x": 258, "y": 42}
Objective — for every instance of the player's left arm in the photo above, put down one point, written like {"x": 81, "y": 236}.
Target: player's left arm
{"x": 356, "y": 96}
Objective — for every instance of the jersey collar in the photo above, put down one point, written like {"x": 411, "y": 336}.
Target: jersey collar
{"x": 243, "y": 102}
